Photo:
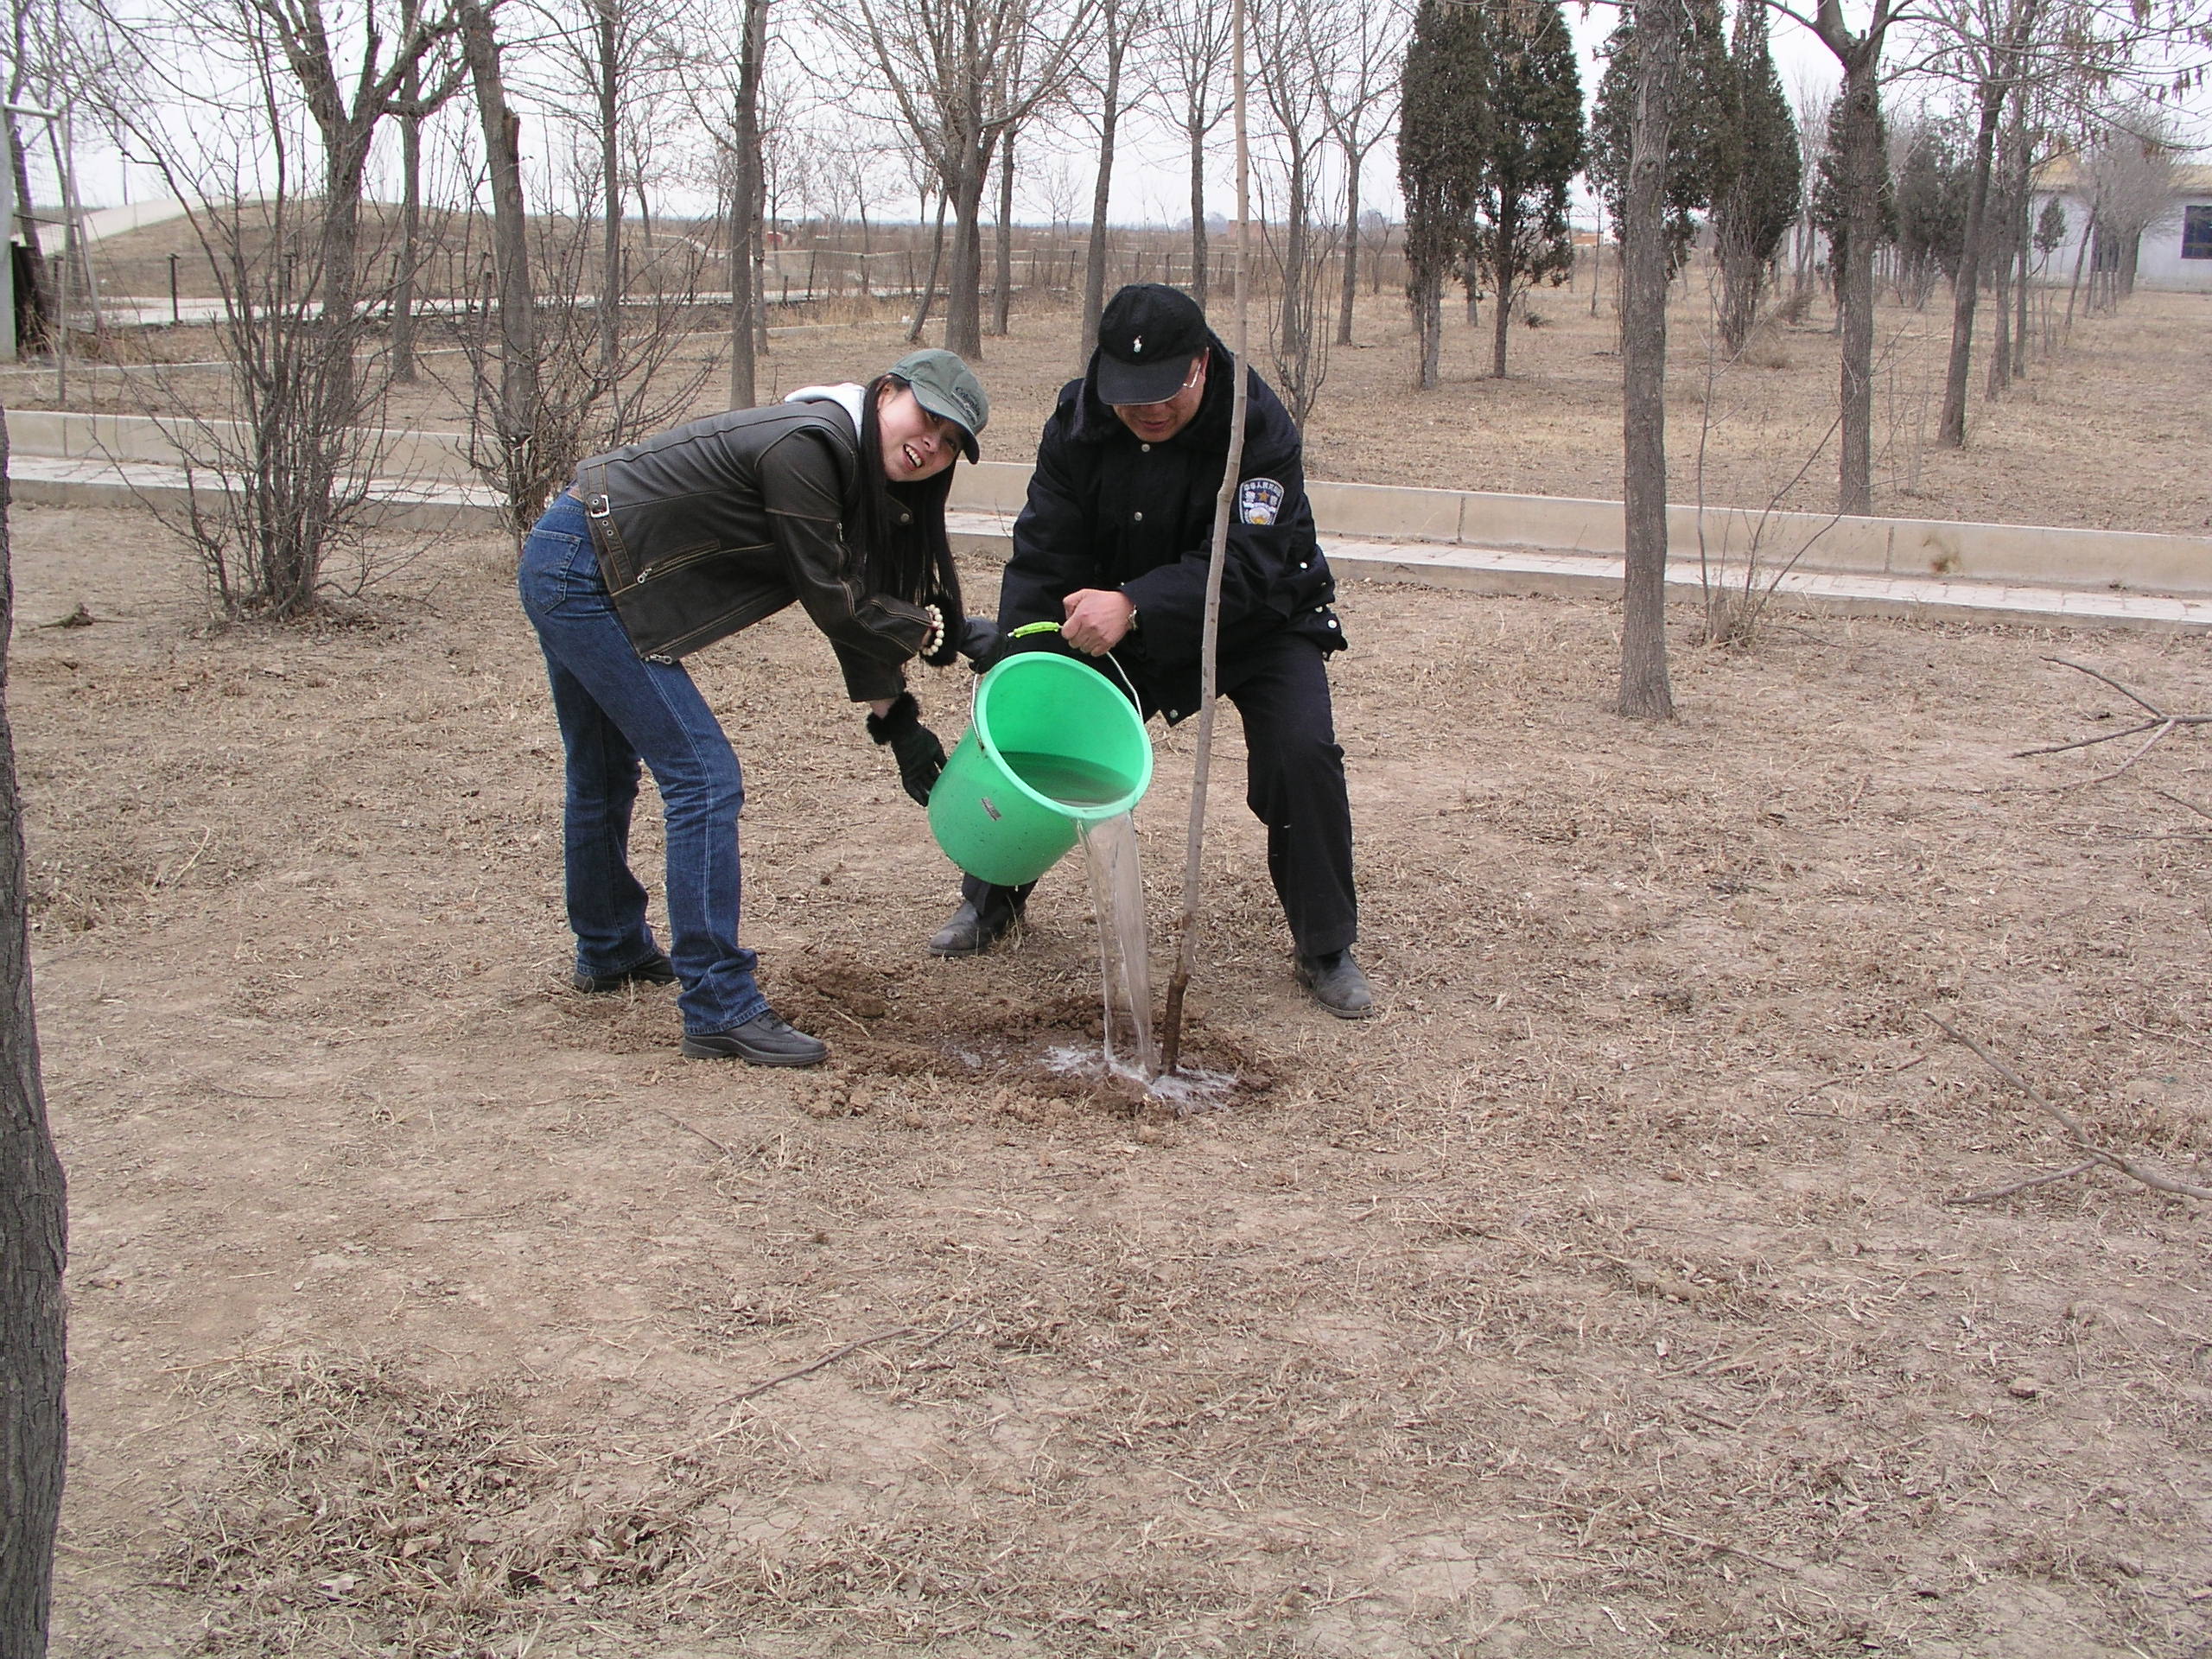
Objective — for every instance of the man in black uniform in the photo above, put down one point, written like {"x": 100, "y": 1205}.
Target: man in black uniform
{"x": 1112, "y": 545}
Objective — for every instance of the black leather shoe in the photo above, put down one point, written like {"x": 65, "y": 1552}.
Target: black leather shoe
{"x": 656, "y": 969}
{"x": 971, "y": 931}
{"x": 765, "y": 1040}
{"x": 1338, "y": 985}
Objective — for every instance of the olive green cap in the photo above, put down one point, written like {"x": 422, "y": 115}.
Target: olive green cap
{"x": 947, "y": 387}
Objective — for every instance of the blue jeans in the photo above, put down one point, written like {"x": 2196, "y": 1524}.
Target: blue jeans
{"x": 615, "y": 709}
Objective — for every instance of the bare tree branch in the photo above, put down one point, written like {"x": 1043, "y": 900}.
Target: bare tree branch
{"x": 2155, "y": 1180}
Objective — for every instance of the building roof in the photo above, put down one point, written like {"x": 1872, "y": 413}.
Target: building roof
{"x": 2065, "y": 173}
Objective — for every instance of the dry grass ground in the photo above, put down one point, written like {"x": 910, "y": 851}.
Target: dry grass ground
{"x": 1603, "y": 1296}
{"x": 2109, "y": 432}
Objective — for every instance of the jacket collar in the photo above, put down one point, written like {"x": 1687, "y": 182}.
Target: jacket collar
{"x": 848, "y": 396}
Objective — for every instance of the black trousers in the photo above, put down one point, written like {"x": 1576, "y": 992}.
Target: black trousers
{"x": 1294, "y": 784}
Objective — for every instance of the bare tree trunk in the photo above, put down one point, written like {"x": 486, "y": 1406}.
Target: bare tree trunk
{"x": 744, "y": 238}
{"x": 1646, "y": 692}
{"x": 2000, "y": 344}
{"x": 41, "y": 297}
{"x": 516, "y": 416}
{"x": 1966, "y": 287}
{"x": 1502, "y": 301}
{"x": 1109, "y": 114}
{"x": 1428, "y": 328}
{"x": 963, "y": 317}
{"x": 34, "y": 1238}
{"x": 1198, "y": 254}
{"x": 1002, "y": 295}
{"x": 2073, "y": 288}
{"x": 1863, "y": 165}
{"x": 610, "y": 164}
{"x": 1742, "y": 276}
{"x": 928, "y": 297}
{"x": 1350, "y": 291}
{"x": 1294, "y": 320}
{"x": 1598, "y": 262}
{"x": 411, "y": 227}
{"x": 2023, "y": 242}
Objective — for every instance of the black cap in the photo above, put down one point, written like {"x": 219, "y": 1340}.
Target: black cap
{"x": 1147, "y": 335}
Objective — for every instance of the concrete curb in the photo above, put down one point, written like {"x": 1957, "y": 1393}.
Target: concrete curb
{"x": 450, "y": 508}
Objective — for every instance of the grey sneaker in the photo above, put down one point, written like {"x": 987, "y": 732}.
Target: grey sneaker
{"x": 1337, "y": 984}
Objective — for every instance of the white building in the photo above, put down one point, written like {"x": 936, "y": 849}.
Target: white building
{"x": 2176, "y": 249}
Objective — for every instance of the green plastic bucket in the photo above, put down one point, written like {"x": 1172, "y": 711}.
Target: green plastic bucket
{"x": 1053, "y": 745}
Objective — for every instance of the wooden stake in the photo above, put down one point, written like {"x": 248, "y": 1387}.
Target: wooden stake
{"x": 1171, "y": 1045}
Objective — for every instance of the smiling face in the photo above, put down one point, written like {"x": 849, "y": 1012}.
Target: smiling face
{"x": 916, "y": 443}
{"x": 1157, "y": 423}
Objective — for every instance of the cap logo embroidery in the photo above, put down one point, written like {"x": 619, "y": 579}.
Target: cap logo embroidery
{"x": 1136, "y": 344}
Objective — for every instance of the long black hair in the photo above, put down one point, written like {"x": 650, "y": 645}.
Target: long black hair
{"x": 902, "y": 529}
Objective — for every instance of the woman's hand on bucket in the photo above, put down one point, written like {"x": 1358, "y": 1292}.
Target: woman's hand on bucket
{"x": 1098, "y": 619}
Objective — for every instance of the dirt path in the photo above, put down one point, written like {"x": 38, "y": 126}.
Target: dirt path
{"x": 1601, "y": 1296}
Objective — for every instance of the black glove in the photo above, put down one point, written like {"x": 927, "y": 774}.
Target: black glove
{"x": 978, "y": 641}
{"x": 920, "y": 756}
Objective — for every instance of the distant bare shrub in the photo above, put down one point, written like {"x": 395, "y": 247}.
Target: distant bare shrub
{"x": 1766, "y": 349}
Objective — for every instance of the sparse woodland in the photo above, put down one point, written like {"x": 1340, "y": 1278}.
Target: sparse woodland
{"x": 1768, "y": 1217}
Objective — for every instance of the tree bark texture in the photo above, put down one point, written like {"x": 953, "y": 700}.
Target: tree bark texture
{"x": 515, "y": 418}
{"x": 2023, "y": 247}
{"x": 1428, "y": 326}
{"x": 1966, "y": 287}
{"x": 928, "y": 296}
{"x": 964, "y": 311}
{"x": 744, "y": 238}
{"x": 1646, "y": 692}
{"x": 1509, "y": 236}
{"x": 1350, "y": 290}
{"x": 33, "y": 1238}
{"x": 1002, "y": 289}
{"x": 42, "y": 303}
{"x": 607, "y": 91}
{"x": 1862, "y": 169}
{"x": 1198, "y": 254}
{"x": 1109, "y": 114}
{"x": 410, "y": 229}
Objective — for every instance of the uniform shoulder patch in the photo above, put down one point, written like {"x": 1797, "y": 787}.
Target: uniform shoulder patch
{"x": 1258, "y": 500}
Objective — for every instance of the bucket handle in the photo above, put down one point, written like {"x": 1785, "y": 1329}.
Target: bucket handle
{"x": 1028, "y": 628}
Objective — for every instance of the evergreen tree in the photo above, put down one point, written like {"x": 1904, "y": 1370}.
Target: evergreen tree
{"x": 1757, "y": 173}
{"x": 1933, "y": 181}
{"x": 1830, "y": 210}
{"x": 1532, "y": 150}
{"x": 1699, "y": 112}
{"x": 1443, "y": 110}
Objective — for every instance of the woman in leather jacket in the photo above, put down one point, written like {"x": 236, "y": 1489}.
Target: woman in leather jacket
{"x": 834, "y": 499}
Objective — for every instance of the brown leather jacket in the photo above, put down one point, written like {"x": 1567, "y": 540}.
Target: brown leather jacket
{"x": 709, "y": 527}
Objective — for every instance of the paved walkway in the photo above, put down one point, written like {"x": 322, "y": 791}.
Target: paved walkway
{"x": 48, "y": 479}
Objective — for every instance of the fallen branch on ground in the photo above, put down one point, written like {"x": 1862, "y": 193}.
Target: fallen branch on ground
{"x": 834, "y": 1355}
{"x": 2160, "y": 725}
{"x": 2097, "y": 1155}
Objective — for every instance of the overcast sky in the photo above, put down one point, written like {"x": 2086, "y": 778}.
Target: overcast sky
{"x": 1150, "y": 172}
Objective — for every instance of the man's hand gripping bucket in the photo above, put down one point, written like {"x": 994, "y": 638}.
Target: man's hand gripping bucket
{"x": 1053, "y": 745}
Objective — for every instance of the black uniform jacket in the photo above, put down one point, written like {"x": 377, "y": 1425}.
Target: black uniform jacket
{"x": 707, "y": 529}
{"x": 1106, "y": 510}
